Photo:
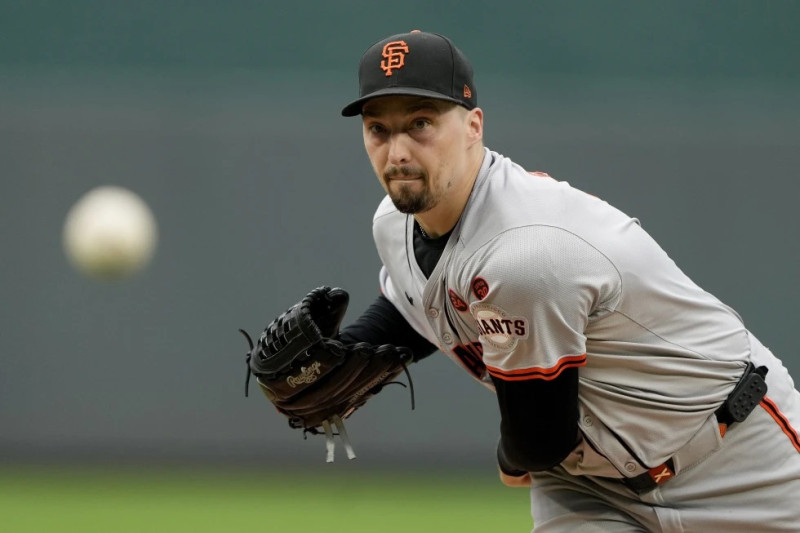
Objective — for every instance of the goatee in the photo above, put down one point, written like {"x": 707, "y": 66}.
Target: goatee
{"x": 404, "y": 197}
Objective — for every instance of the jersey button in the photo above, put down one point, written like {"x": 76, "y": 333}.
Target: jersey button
{"x": 447, "y": 338}
{"x": 630, "y": 466}
{"x": 433, "y": 312}
{"x": 587, "y": 420}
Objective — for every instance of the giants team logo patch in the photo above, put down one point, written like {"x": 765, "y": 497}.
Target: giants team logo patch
{"x": 497, "y": 328}
{"x": 480, "y": 288}
{"x": 458, "y": 303}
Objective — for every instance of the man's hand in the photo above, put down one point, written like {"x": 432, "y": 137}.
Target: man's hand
{"x": 515, "y": 481}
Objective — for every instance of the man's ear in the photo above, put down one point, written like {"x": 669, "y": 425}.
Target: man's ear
{"x": 475, "y": 124}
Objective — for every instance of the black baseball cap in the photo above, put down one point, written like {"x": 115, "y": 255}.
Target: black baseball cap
{"x": 417, "y": 64}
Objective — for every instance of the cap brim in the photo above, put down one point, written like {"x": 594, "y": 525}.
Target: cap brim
{"x": 354, "y": 108}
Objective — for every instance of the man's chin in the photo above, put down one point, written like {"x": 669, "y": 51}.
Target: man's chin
{"x": 409, "y": 204}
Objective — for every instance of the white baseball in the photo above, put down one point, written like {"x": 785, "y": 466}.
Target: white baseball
{"x": 110, "y": 233}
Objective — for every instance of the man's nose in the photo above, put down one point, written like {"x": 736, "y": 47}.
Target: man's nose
{"x": 399, "y": 153}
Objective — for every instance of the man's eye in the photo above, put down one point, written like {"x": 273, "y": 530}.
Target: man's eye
{"x": 420, "y": 124}
{"x": 377, "y": 129}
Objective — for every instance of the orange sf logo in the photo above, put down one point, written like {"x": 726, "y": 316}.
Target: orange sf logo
{"x": 395, "y": 56}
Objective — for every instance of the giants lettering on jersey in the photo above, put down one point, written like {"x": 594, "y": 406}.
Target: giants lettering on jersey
{"x": 497, "y": 328}
{"x": 501, "y": 326}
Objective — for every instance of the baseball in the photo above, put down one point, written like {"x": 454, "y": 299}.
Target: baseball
{"x": 110, "y": 233}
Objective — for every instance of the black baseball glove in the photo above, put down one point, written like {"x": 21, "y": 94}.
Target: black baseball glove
{"x": 313, "y": 378}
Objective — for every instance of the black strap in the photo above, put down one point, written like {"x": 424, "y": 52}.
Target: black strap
{"x": 750, "y": 390}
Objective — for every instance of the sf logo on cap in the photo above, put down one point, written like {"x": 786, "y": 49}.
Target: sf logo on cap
{"x": 395, "y": 56}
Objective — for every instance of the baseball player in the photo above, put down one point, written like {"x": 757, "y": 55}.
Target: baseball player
{"x": 630, "y": 398}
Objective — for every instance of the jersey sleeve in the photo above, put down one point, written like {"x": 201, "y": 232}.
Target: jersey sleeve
{"x": 532, "y": 292}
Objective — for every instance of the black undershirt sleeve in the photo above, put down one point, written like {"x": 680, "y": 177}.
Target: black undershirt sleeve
{"x": 382, "y": 323}
{"x": 539, "y": 422}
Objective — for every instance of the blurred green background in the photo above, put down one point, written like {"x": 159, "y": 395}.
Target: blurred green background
{"x": 121, "y": 405}
{"x": 168, "y": 500}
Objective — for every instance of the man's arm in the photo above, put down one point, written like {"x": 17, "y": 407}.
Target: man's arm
{"x": 539, "y": 422}
{"x": 539, "y": 418}
{"x": 382, "y": 323}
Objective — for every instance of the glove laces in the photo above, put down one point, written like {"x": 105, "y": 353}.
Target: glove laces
{"x": 249, "y": 355}
{"x": 336, "y": 420}
{"x": 330, "y": 444}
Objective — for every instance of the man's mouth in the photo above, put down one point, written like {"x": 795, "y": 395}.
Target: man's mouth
{"x": 403, "y": 175}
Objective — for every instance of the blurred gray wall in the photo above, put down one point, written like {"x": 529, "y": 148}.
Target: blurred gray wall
{"x": 224, "y": 116}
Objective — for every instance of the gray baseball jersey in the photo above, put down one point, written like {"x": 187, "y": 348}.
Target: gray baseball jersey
{"x": 538, "y": 277}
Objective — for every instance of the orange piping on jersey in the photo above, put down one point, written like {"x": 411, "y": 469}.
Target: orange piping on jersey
{"x": 537, "y": 372}
{"x": 538, "y": 174}
{"x": 770, "y": 407}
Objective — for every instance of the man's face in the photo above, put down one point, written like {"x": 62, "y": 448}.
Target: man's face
{"x": 417, "y": 147}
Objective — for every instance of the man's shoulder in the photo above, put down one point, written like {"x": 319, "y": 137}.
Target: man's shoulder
{"x": 388, "y": 223}
{"x": 385, "y": 209}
